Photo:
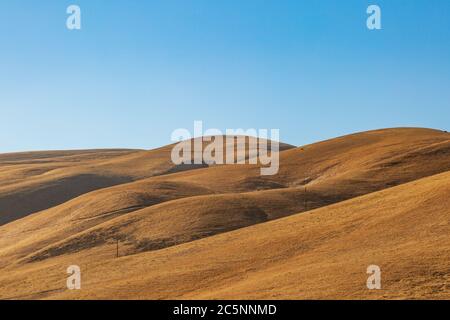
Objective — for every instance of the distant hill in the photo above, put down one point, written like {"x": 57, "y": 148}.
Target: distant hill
{"x": 377, "y": 196}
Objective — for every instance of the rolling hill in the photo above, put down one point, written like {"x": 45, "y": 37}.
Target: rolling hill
{"x": 225, "y": 231}
{"x": 34, "y": 181}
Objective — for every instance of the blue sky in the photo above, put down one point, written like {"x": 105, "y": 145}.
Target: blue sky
{"x": 140, "y": 69}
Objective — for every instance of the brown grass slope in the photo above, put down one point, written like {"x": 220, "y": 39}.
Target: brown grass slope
{"x": 171, "y": 209}
{"x": 35, "y": 181}
{"x": 321, "y": 254}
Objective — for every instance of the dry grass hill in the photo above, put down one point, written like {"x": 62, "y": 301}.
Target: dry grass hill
{"x": 224, "y": 231}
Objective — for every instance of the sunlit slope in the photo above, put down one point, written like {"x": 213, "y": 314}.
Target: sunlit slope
{"x": 22, "y": 166}
{"x": 35, "y": 181}
{"x": 371, "y": 160}
{"x": 39, "y": 180}
{"x": 321, "y": 254}
{"x": 167, "y": 210}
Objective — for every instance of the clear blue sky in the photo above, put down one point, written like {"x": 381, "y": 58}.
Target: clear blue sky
{"x": 140, "y": 69}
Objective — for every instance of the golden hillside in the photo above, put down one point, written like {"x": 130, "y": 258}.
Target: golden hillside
{"x": 378, "y": 197}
